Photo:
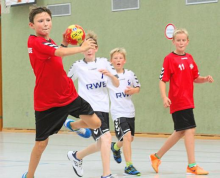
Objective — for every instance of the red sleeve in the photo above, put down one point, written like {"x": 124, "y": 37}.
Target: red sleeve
{"x": 166, "y": 70}
{"x": 44, "y": 49}
{"x": 195, "y": 70}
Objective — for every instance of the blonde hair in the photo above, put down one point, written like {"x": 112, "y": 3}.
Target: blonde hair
{"x": 92, "y": 35}
{"x": 119, "y": 50}
{"x": 180, "y": 31}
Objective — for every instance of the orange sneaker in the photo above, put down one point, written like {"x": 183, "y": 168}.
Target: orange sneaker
{"x": 155, "y": 162}
{"x": 196, "y": 170}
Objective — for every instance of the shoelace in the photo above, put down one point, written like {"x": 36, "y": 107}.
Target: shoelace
{"x": 131, "y": 168}
{"x": 80, "y": 163}
{"x": 117, "y": 153}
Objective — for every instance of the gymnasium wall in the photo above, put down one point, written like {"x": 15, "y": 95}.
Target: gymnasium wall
{"x": 141, "y": 33}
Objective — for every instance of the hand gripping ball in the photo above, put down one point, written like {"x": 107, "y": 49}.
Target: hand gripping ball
{"x": 75, "y": 35}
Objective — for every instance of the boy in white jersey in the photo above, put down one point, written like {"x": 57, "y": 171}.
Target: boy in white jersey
{"x": 122, "y": 109}
{"x": 93, "y": 74}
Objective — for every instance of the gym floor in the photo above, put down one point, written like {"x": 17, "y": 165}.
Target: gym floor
{"x": 15, "y": 149}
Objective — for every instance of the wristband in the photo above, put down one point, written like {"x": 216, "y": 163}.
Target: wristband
{"x": 63, "y": 45}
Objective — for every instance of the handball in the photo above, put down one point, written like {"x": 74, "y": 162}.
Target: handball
{"x": 75, "y": 35}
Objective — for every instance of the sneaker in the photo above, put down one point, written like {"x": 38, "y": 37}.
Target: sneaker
{"x": 196, "y": 170}
{"x": 24, "y": 175}
{"x": 77, "y": 164}
{"x": 85, "y": 133}
{"x": 155, "y": 162}
{"x": 109, "y": 176}
{"x": 116, "y": 154}
{"x": 131, "y": 170}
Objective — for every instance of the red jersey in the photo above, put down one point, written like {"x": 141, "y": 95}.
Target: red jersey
{"x": 52, "y": 87}
{"x": 181, "y": 71}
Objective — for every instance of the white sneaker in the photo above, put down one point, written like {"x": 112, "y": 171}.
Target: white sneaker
{"x": 77, "y": 164}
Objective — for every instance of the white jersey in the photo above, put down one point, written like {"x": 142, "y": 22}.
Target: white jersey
{"x": 121, "y": 104}
{"x": 92, "y": 84}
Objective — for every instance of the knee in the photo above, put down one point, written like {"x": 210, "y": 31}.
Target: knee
{"x": 41, "y": 145}
{"x": 107, "y": 138}
{"x": 191, "y": 131}
{"x": 96, "y": 124}
{"x": 127, "y": 137}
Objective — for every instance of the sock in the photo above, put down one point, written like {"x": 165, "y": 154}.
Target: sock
{"x": 116, "y": 147}
{"x": 128, "y": 163}
{"x": 192, "y": 165}
{"x": 157, "y": 155}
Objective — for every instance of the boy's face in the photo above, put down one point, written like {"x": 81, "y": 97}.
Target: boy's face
{"x": 118, "y": 61}
{"x": 90, "y": 54}
{"x": 42, "y": 25}
{"x": 181, "y": 41}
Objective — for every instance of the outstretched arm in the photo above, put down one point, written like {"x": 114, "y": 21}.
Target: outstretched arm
{"x": 201, "y": 79}
{"x": 166, "y": 100}
{"x": 87, "y": 44}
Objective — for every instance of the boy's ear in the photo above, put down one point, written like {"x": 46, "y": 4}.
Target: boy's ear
{"x": 31, "y": 25}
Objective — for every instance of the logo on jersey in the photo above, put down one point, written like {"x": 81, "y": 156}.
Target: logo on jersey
{"x": 96, "y": 85}
{"x": 129, "y": 83}
{"x": 30, "y": 50}
{"x": 191, "y": 66}
{"x": 121, "y": 95}
{"x": 184, "y": 58}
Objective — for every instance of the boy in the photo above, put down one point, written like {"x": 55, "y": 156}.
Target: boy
{"x": 180, "y": 69}
{"x": 55, "y": 96}
{"x": 93, "y": 74}
{"x": 122, "y": 109}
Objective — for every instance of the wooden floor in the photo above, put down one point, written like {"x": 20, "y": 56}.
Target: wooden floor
{"x": 15, "y": 148}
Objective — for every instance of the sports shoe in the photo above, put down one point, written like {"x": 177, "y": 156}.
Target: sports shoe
{"x": 116, "y": 154}
{"x": 24, "y": 175}
{"x": 196, "y": 170}
{"x": 131, "y": 170}
{"x": 77, "y": 164}
{"x": 155, "y": 162}
{"x": 109, "y": 176}
{"x": 85, "y": 133}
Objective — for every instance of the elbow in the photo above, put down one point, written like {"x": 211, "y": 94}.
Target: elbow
{"x": 59, "y": 53}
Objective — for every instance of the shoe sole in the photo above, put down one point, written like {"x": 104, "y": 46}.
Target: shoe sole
{"x": 152, "y": 165}
{"x": 194, "y": 174}
{"x": 131, "y": 174}
{"x": 74, "y": 168}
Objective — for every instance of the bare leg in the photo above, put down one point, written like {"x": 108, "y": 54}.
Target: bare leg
{"x": 127, "y": 139}
{"x": 170, "y": 142}
{"x": 190, "y": 145}
{"x": 86, "y": 121}
{"x": 105, "y": 152}
{"x": 95, "y": 147}
{"x": 36, "y": 153}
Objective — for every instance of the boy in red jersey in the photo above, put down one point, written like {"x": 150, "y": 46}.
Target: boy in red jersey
{"x": 55, "y": 96}
{"x": 180, "y": 69}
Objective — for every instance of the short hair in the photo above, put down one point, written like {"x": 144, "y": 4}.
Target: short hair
{"x": 119, "y": 50}
{"x": 92, "y": 35}
{"x": 180, "y": 31}
{"x": 37, "y": 10}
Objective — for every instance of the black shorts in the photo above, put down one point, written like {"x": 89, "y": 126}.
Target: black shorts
{"x": 50, "y": 121}
{"x": 124, "y": 125}
{"x": 104, "y": 117}
{"x": 183, "y": 120}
